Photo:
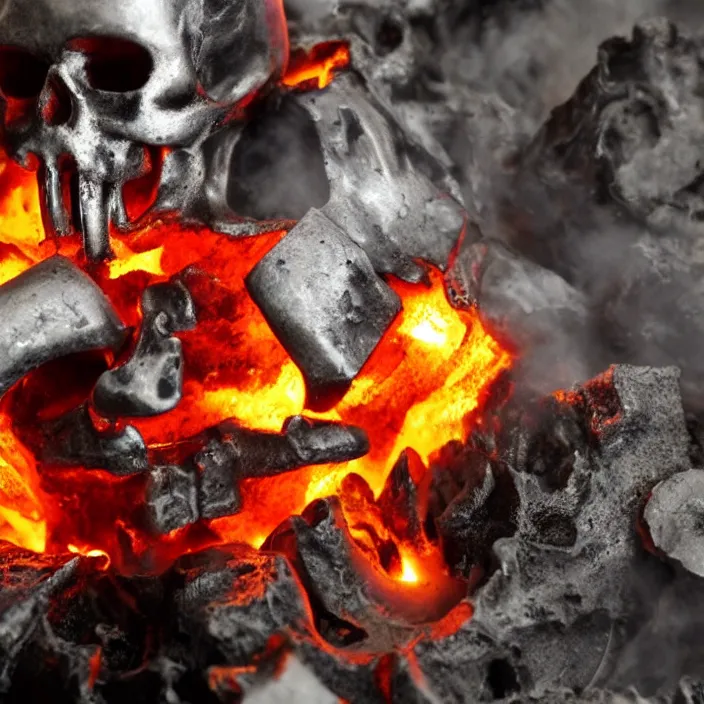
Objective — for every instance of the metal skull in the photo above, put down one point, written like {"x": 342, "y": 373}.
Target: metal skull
{"x": 86, "y": 84}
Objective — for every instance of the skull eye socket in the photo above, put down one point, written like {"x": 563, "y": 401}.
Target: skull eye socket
{"x": 114, "y": 65}
{"x": 22, "y": 74}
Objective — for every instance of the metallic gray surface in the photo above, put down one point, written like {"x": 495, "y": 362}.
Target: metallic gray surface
{"x": 171, "y": 498}
{"x": 151, "y": 381}
{"x": 206, "y": 58}
{"x": 382, "y": 190}
{"x": 235, "y": 453}
{"x": 674, "y": 517}
{"x": 50, "y": 311}
{"x": 321, "y": 297}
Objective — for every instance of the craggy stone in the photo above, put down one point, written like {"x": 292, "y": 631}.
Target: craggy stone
{"x": 354, "y": 587}
{"x": 233, "y": 453}
{"x": 27, "y": 583}
{"x": 568, "y": 577}
{"x": 171, "y": 498}
{"x": 382, "y": 190}
{"x": 234, "y": 599}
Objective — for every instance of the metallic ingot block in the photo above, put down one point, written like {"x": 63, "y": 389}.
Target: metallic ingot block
{"x": 50, "y": 311}
{"x": 318, "y": 291}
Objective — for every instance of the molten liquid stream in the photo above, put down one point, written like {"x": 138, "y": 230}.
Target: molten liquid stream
{"x": 427, "y": 374}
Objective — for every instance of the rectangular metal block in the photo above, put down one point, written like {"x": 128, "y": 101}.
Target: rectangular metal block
{"x": 323, "y": 300}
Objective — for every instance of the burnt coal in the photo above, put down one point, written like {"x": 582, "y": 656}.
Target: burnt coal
{"x": 73, "y": 441}
{"x": 234, "y": 600}
{"x": 171, "y": 498}
{"x": 230, "y": 454}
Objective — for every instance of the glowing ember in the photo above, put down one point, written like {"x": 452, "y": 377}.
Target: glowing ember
{"x": 408, "y": 571}
{"x": 88, "y": 552}
{"x": 318, "y": 66}
{"x": 22, "y": 519}
{"x": 126, "y": 261}
{"x": 416, "y": 390}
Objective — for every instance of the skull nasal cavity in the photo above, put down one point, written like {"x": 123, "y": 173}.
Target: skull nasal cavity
{"x": 22, "y": 74}
{"x": 114, "y": 65}
{"x": 55, "y": 102}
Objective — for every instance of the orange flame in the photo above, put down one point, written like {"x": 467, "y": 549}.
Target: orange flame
{"x": 317, "y": 68}
{"x": 429, "y": 372}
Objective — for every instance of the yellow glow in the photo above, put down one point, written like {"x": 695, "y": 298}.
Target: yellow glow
{"x": 25, "y": 532}
{"x": 261, "y": 407}
{"x": 127, "y": 260}
{"x": 408, "y": 574}
{"x": 90, "y": 552}
{"x": 258, "y": 540}
{"x": 432, "y": 332}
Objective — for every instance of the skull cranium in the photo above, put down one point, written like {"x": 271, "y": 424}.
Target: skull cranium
{"x": 91, "y": 82}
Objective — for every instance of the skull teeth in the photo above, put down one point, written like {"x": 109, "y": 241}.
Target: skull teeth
{"x": 116, "y": 207}
{"x": 94, "y": 218}
{"x": 56, "y": 206}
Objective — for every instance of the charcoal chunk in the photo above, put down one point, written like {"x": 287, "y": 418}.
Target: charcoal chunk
{"x": 347, "y": 583}
{"x": 151, "y": 381}
{"x": 171, "y": 498}
{"x": 50, "y": 311}
{"x": 73, "y": 440}
{"x": 27, "y": 583}
{"x": 317, "y": 442}
{"x": 235, "y": 453}
{"x": 404, "y": 499}
{"x": 234, "y": 599}
{"x": 218, "y": 493}
{"x": 675, "y": 517}
{"x": 320, "y": 295}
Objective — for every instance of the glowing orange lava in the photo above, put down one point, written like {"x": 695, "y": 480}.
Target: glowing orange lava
{"x": 426, "y": 376}
{"x": 317, "y": 67}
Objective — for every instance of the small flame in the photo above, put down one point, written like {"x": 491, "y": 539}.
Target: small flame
{"x": 90, "y": 552}
{"x": 127, "y": 260}
{"x": 318, "y": 66}
{"x": 409, "y": 574}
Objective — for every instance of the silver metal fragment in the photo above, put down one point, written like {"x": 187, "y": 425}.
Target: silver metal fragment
{"x": 49, "y": 311}
{"x": 321, "y": 297}
{"x": 151, "y": 381}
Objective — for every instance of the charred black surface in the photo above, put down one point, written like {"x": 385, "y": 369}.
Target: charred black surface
{"x": 223, "y": 456}
{"x": 74, "y": 441}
